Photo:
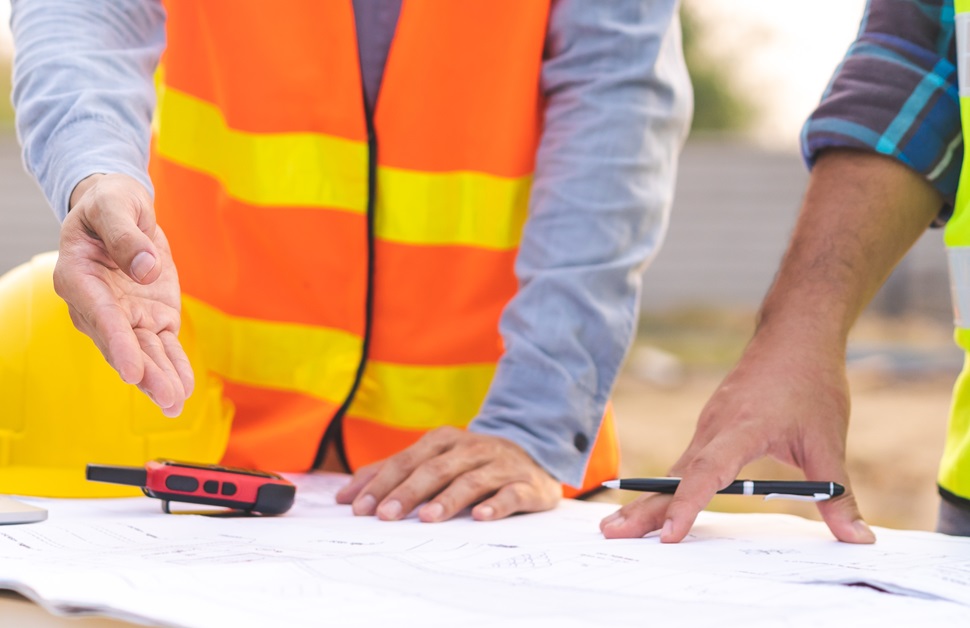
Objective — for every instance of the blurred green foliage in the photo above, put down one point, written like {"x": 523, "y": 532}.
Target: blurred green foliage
{"x": 718, "y": 104}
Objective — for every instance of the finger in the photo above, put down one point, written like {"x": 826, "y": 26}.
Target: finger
{"x": 348, "y": 493}
{"x": 427, "y": 480}
{"x": 713, "y": 468}
{"x": 469, "y": 487}
{"x": 111, "y": 332}
{"x": 124, "y": 221}
{"x": 176, "y": 355}
{"x": 841, "y": 514}
{"x": 638, "y": 518}
{"x": 515, "y": 498}
{"x": 161, "y": 382}
{"x": 399, "y": 466}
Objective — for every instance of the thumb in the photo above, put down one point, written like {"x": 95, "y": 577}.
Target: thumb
{"x": 117, "y": 210}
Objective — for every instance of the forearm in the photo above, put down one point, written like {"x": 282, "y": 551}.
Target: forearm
{"x": 860, "y": 215}
{"x": 618, "y": 103}
{"x": 83, "y": 89}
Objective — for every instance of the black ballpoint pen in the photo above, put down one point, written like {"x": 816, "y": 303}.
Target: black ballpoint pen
{"x": 771, "y": 489}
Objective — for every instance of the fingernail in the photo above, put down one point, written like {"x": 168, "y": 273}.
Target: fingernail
{"x": 863, "y": 530}
{"x": 486, "y": 512}
{"x": 667, "y": 530}
{"x": 364, "y": 505}
{"x": 389, "y": 511}
{"x": 142, "y": 265}
{"x": 433, "y": 511}
{"x": 616, "y": 519}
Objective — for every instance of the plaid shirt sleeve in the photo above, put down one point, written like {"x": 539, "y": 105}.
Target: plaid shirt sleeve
{"x": 896, "y": 94}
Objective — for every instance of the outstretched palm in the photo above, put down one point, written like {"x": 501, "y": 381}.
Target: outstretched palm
{"x": 135, "y": 323}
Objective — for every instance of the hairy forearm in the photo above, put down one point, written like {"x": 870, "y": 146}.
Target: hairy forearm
{"x": 860, "y": 215}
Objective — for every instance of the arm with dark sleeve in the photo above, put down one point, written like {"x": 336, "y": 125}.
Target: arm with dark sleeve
{"x": 896, "y": 94}
{"x": 83, "y": 89}
{"x": 618, "y": 107}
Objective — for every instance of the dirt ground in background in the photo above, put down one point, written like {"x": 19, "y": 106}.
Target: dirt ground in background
{"x": 895, "y": 441}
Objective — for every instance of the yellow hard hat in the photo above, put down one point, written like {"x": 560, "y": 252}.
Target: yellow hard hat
{"x": 62, "y": 406}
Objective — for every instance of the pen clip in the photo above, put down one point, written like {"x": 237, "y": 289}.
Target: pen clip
{"x": 817, "y": 497}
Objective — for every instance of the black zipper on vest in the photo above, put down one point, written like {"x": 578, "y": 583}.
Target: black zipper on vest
{"x": 335, "y": 431}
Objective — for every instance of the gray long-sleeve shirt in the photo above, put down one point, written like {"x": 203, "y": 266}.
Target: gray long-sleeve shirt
{"x": 618, "y": 106}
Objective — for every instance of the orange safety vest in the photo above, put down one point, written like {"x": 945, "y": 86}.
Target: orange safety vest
{"x": 344, "y": 270}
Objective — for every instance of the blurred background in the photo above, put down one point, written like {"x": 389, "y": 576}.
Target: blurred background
{"x": 758, "y": 67}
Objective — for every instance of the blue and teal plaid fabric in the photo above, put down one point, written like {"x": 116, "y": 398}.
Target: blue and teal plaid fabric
{"x": 896, "y": 93}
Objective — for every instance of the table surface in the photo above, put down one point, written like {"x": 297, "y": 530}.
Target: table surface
{"x": 16, "y": 610}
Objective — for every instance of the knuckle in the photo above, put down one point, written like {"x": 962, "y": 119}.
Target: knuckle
{"x": 516, "y": 493}
{"x": 438, "y": 467}
{"x": 549, "y": 485}
{"x": 138, "y": 197}
{"x": 704, "y": 466}
{"x": 476, "y": 482}
{"x": 442, "y": 436}
{"x": 118, "y": 238}
{"x": 403, "y": 461}
{"x": 480, "y": 449}
{"x": 168, "y": 321}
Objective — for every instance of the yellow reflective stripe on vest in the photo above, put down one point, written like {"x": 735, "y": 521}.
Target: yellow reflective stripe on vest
{"x": 278, "y": 169}
{"x": 449, "y": 209}
{"x": 258, "y": 353}
{"x": 276, "y": 355}
{"x": 421, "y": 397}
{"x": 316, "y": 170}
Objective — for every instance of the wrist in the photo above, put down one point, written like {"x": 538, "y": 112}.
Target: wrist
{"x": 806, "y": 335}
{"x": 82, "y": 187}
{"x": 818, "y": 310}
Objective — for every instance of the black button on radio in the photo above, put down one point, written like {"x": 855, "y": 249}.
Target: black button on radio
{"x": 228, "y": 488}
{"x": 182, "y": 483}
{"x": 211, "y": 487}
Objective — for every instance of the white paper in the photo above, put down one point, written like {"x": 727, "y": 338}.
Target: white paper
{"x": 320, "y": 565}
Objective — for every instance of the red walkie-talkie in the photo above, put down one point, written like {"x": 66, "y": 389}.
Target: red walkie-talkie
{"x": 246, "y": 490}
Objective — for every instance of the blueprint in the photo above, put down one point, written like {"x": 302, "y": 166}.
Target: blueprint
{"x": 319, "y": 565}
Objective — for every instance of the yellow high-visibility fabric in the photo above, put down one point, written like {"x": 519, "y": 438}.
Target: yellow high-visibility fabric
{"x": 405, "y": 394}
{"x": 317, "y": 170}
{"x": 954, "y": 474}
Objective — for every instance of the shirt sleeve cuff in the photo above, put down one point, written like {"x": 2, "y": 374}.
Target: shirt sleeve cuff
{"x": 893, "y": 99}
{"x": 558, "y": 436}
{"x": 86, "y": 147}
